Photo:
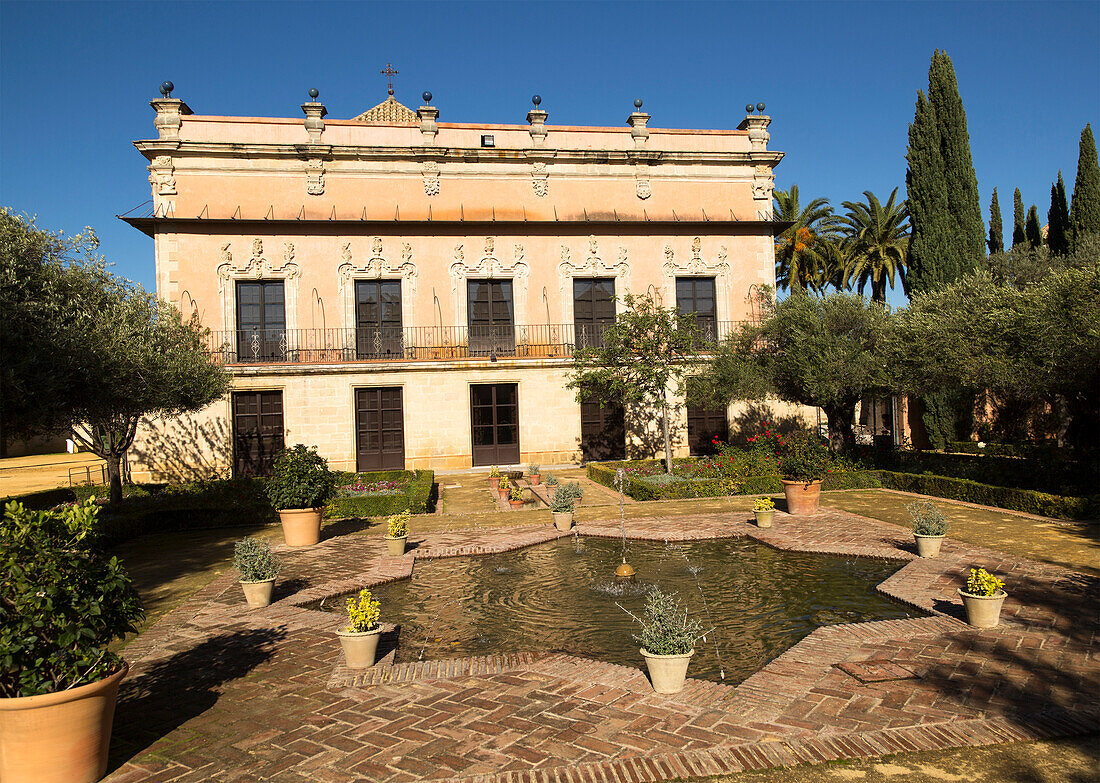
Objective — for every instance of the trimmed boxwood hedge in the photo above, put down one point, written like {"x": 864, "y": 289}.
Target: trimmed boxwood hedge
{"x": 1054, "y": 474}
{"x": 1025, "y": 500}
{"x": 417, "y": 496}
{"x": 1024, "y": 450}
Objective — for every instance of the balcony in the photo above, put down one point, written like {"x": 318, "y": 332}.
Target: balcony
{"x": 419, "y": 343}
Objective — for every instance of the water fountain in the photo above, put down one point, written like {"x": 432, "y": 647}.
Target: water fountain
{"x": 625, "y": 571}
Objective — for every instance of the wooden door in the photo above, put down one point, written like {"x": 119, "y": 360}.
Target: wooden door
{"x": 380, "y": 429}
{"x": 257, "y": 431}
{"x": 704, "y": 425}
{"x": 603, "y": 432}
{"x": 494, "y": 418}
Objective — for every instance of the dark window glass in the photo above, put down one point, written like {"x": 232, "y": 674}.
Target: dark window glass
{"x": 261, "y": 321}
{"x": 697, "y": 295}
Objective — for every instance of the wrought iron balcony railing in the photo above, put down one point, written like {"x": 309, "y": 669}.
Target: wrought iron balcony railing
{"x": 419, "y": 343}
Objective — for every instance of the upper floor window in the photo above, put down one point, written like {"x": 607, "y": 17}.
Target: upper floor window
{"x": 261, "y": 321}
{"x": 378, "y": 332}
{"x": 697, "y": 295}
{"x": 489, "y": 313}
{"x": 593, "y": 308}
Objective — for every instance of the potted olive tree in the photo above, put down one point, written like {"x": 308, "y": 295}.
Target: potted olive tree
{"x": 929, "y": 527}
{"x": 803, "y": 462}
{"x": 63, "y": 602}
{"x": 299, "y": 487}
{"x": 533, "y": 472}
{"x": 359, "y": 638}
{"x": 562, "y": 502}
{"x": 764, "y": 511}
{"x": 397, "y": 532}
{"x": 983, "y": 598}
{"x": 668, "y": 640}
{"x": 258, "y": 568}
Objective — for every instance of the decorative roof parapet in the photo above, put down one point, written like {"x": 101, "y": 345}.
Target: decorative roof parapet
{"x": 388, "y": 112}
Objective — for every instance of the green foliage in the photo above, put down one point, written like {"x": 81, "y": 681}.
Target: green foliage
{"x": 63, "y": 602}
{"x": 1032, "y": 230}
{"x": 364, "y": 613}
{"x": 1059, "y": 228}
{"x": 533, "y": 469}
{"x": 996, "y": 241}
{"x": 643, "y": 353}
{"x": 552, "y": 481}
{"x": 253, "y": 560}
{"x": 666, "y": 627}
{"x": 565, "y": 497}
{"x": 927, "y": 519}
{"x": 802, "y": 251}
{"x": 515, "y": 494}
{"x": 1085, "y": 210}
{"x": 877, "y": 235}
{"x": 1047, "y": 473}
{"x": 397, "y": 526}
{"x": 1025, "y": 500}
{"x": 416, "y": 496}
{"x": 1019, "y": 233}
{"x": 763, "y": 505}
{"x": 948, "y": 237}
{"x": 803, "y": 458}
{"x": 1011, "y": 449}
{"x": 300, "y": 478}
{"x": 948, "y": 414}
{"x": 981, "y": 582}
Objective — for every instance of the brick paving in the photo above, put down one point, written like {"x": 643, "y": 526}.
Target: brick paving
{"x": 221, "y": 693}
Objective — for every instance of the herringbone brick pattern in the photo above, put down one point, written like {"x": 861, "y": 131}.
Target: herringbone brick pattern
{"x": 221, "y": 693}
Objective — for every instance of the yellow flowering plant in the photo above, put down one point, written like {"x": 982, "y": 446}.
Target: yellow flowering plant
{"x": 983, "y": 583}
{"x": 363, "y": 613}
{"x": 494, "y": 472}
{"x": 504, "y": 483}
{"x": 515, "y": 493}
{"x": 763, "y": 504}
{"x": 397, "y": 526}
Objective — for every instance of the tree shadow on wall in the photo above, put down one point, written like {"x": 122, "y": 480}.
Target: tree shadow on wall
{"x": 646, "y": 439}
{"x": 184, "y": 449}
{"x": 750, "y": 422}
{"x": 163, "y": 697}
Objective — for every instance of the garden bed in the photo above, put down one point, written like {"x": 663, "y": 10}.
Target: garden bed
{"x": 382, "y": 493}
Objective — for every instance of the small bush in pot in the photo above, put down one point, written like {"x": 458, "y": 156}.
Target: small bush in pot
{"x": 515, "y": 497}
{"x": 929, "y": 527}
{"x": 562, "y": 502}
{"x": 803, "y": 463}
{"x": 64, "y": 602}
{"x": 533, "y": 471}
{"x": 764, "y": 511}
{"x": 494, "y": 477}
{"x": 258, "y": 568}
{"x": 504, "y": 487}
{"x": 397, "y": 532}
{"x": 668, "y": 640}
{"x": 983, "y": 598}
{"x": 359, "y": 638}
{"x": 299, "y": 487}
{"x": 551, "y": 481}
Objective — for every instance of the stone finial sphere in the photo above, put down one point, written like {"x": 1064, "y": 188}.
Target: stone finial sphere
{"x": 537, "y": 100}
{"x": 760, "y": 106}
{"x": 748, "y": 108}
{"x": 637, "y": 103}
{"x": 427, "y": 96}
{"x": 166, "y": 89}
{"x": 313, "y": 93}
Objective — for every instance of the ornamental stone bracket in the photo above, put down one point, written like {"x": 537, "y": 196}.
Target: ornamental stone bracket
{"x": 258, "y": 267}
{"x": 540, "y": 178}
{"x": 162, "y": 176}
{"x": 763, "y": 182}
{"x": 698, "y": 266}
{"x": 591, "y": 264}
{"x": 430, "y": 170}
{"x": 642, "y": 186}
{"x": 376, "y": 267}
{"x": 315, "y": 177}
{"x": 489, "y": 267}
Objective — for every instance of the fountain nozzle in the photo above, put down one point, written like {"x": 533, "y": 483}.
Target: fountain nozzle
{"x": 624, "y": 571}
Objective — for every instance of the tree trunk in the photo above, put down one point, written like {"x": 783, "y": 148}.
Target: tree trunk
{"x": 114, "y": 476}
{"x": 841, "y": 418}
{"x": 664, "y": 431}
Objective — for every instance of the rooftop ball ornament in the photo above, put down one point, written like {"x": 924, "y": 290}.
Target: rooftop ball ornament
{"x": 313, "y": 93}
{"x": 427, "y": 96}
{"x": 537, "y": 100}
{"x": 166, "y": 89}
{"x": 748, "y": 108}
{"x": 760, "y": 106}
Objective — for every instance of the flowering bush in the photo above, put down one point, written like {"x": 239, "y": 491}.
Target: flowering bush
{"x": 363, "y": 614}
{"x": 397, "y": 526}
{"x": 494, "y": 472}
{"x": 803, "y": 458}
{"x": 981, "y": 582}
{"x": 387, "y": 487}
{"x": 515, "y": 493}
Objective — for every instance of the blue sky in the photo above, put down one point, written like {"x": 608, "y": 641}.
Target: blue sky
{"x": 839, "y": 80}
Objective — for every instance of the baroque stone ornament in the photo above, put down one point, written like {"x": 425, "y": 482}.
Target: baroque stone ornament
{"x": 376, "y": 267}
{"x": 589, "y": 265}
{"x": 162, "y": 176}
{"x": 431, "y": 178}
{"x": 315, "y": 177}
{"x": 491, "y": 267}
{"x": 288, "y": 252}
{"x": 763, "y": 182}
{"x": 258, "y": 267}
{"x": 643, "y": 189}
{"x": 698, "y": 265}
{"x": 540, "y": 179}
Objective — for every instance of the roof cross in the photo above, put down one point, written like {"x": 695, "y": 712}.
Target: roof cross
{"x": 389, "y": 71}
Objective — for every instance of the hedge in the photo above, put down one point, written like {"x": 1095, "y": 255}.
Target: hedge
{"x": 1022, "y": 450}
{"x": 1054, "y": 473}
{"x": 418, "y": 495}
{"x": 1012, "y": 498}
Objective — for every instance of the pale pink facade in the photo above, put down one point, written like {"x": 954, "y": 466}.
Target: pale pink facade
{"x": 319, "y": 207}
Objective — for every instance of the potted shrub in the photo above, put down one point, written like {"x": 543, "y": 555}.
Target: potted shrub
{"x": 258, "y": 568}
{"x": 397, "y": 532}
{"x": 494, "y": 478}
{"x": 551, "y": 481}
{"x": 64, "y": 601}
{"x": 983, "y": 598}
{"x": 562, "y": 502}
{"x": 668, "y": 640}
{"x": 929, "y": 527}
{"x": 803, "y": 462}
{"x": 359, "y": 638}
{"x": 299, "y": 487}
{"x": 504, "y": 488}
{"x": 534, "y": 474}
{"x": 515, "y": 497}
{"x": 764, "y": 510}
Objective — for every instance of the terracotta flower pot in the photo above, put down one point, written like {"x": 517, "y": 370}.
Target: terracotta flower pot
{"x": 359, "y": 648}
{"x": 802, "y": 496}
{"x": 563, "y": 520}
{"x": 928, "y": 546}
{"x": 301, "y": 526}
{"x": 516, "y": 504}
{"x": 667, "y": 672}
{"x": 503, "y": 493}
{"x": 764, "y": 518}
{"x": 983, "y": 611}
{"x": 396, "y": 546}
{"x": 536, "y": 479}
{"x": 258, "y": 594}
{"x": 60, "y": 737}
{"x": 494, "y": 483}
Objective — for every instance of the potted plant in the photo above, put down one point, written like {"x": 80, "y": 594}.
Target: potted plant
{"x": 803, "y": 462}
{"x": 397, "y": 532}
{"x": 534, "y": 474}
{"x": 562, "y": 503}
{"x": 494, "y": 478}
{"x": 258, "y": 568}
{"x": 299, "y": 486}
{"x": 929, "y": 527}
{"x": 64, "y": 602}
{"x": 515, "y": 497}
{"x": 551, "y": 481}
{"x": 359, "y": 638}
{"x": 668, "y": 640}
{"x": 983, "y": 598}
{"x": 764, "y": 510}
{"x": 504, "y": 487}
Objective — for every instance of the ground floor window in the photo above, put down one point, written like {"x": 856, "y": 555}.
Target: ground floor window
{"x": 704, "y": 425}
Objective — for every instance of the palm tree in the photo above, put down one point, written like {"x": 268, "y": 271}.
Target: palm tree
{"x": 878, "y": 235}
{"x": 800, "y": 252}
{"x": 836, "y": 253}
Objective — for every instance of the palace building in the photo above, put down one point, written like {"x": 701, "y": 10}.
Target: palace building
{"x": 404, "y": 293}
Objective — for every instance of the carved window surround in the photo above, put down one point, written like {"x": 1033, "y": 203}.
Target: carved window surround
{"x": 489, "y": 267}
{"x": 697, "y": 266}
{"x": 377, "y": 266}
{"x": 258, "y": 267}
{"x": 591, "y": 265}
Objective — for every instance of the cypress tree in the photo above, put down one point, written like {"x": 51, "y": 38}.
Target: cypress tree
{"x": 1033, "y": 230}
{"x": 926, "y": 199}
{"x": 1085, "y": 212}
{"x": 1058, "y": 226}
{"x": 1018, "y": 219}
{"x": 996, "y": 242}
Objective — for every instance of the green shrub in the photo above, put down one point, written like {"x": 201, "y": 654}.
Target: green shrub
{"x": 253, "y": 560}
{"x": 565, "y": 497}
{"x": 64, "y": 601}
{"x": 803, "y": 458}
{"x": 300, "y": 478}
{"x": 927, "y": 519}
{"x": 666, "y": 627}
{"x": 417, "y": 495}
{"x": 1025, "y": 500}
{"x": 1053, "y": 473}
